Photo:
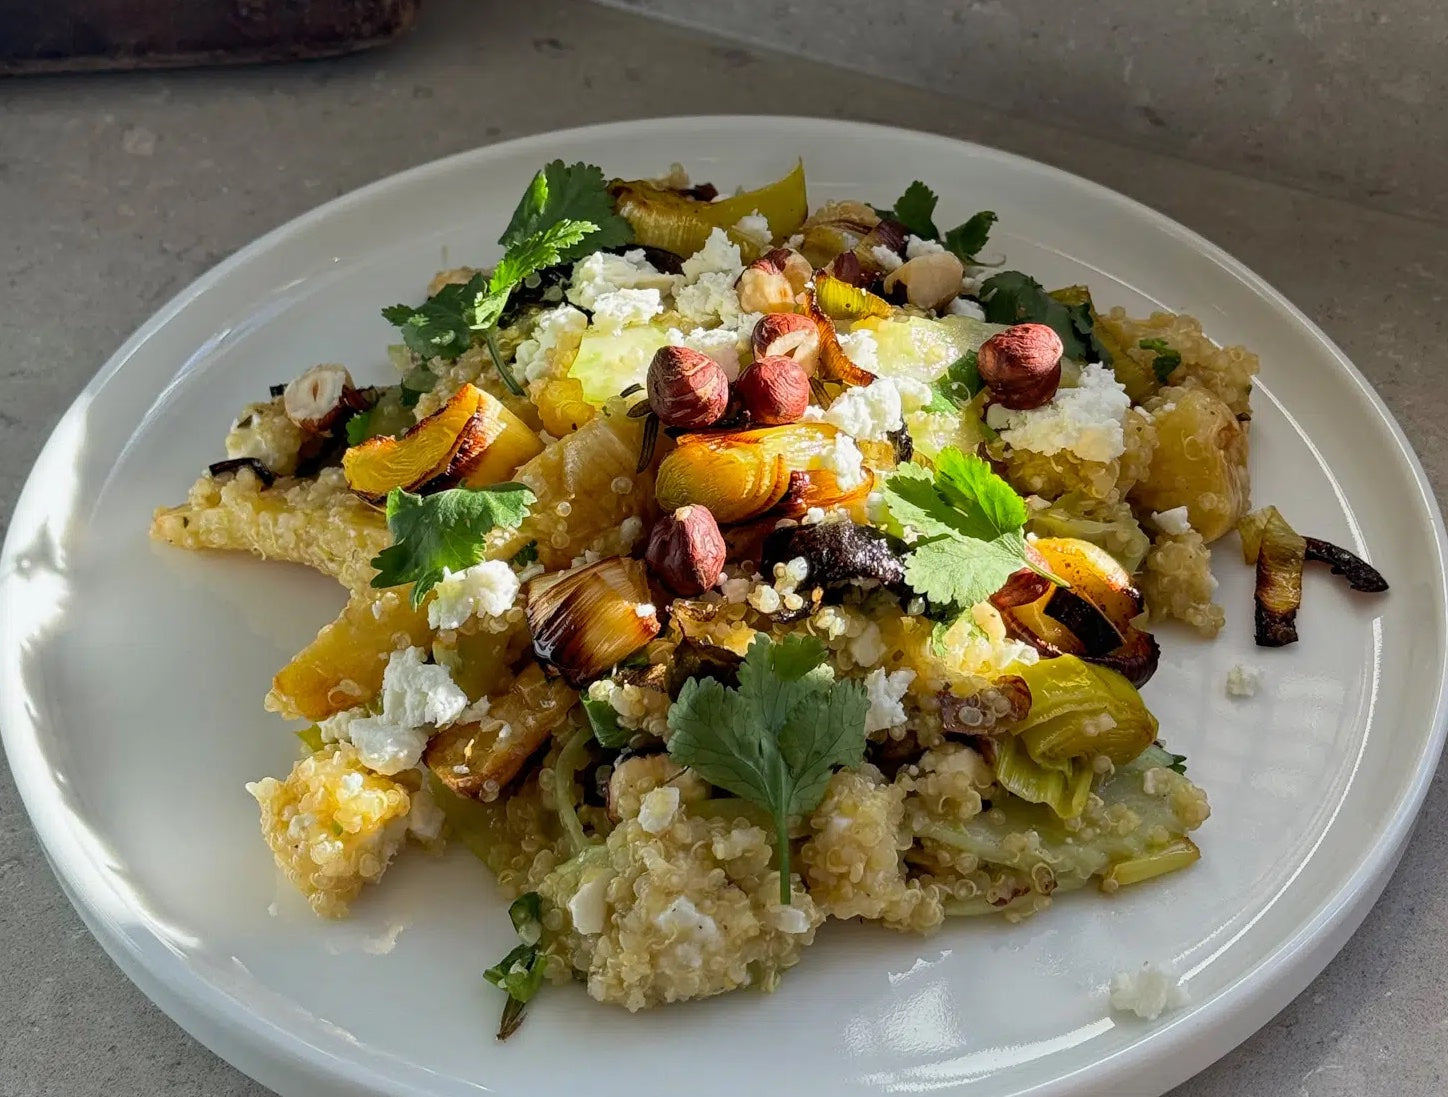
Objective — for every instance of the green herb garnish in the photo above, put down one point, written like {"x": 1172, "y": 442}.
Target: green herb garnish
{"x": 443, "y": 531}
{"x": 520, "y": 973}
{"x": 915, "y": 209}
{"x": 1015, "y": 298}
{"x": 969, "y": 528}
{"x": 776, "y": 739}
{"x": 525, "y": 556}
{"x": 957, "y": 386}
{"x": 573, "y": 192}
{"x": 359, "y": 428}
{"x": 1166, "y": 360}
{"x": 603, "y": 719}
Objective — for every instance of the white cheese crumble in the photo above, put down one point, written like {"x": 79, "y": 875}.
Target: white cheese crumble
{"x": 1243, "y": 681}
{"x": 658, "y": 808}
{"x": 916, "y": 246}
{"x": 871, "y": 412}
{"x": 710, "y": 300}
{"x": 483, "y": 590}
{"x": 555, "y": 338}
{"x": 754, "y": 227}
{"x": 861, "y": 348}
{"x": 868, "y": 648}
{"x": 1086, "y": 420}
{"x": 602, "y": 272}
{"x": 688, "y": 922}
{"x": 588, "y": 907}
{"x": 417, "y": 698}
{"x": 885, "y": 692}
{"x": 846, "y": 462}
{"x": 623, "y": 308}
{"x": 886, "y": 257}
{"x": 964, "y": 306}
{"x": 789, "y": 919}
{"x": 1148, "y": 993}
{"x": 1172, "y": 521}
{"x": 719, "y": 255}
{"x": 720, "y": 344}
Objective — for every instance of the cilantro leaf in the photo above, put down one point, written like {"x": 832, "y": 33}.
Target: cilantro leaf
{"x": 969, "y": 524}
{"x": 443, "y": 531}
{"x": 359, "y": 427}
{"x": 439, "y": 327}
{"x": 1015, "y": 298}
{"x": 414, "y": 383}
{"x": 968, "y": 239}
{"x": 1166, "y": 360}
{"x": 525, "y": 556}
{"x": 603, "y": 719}
{"x": 575, "y": 192}
{"x": 915, "y": 209}
{"x": 776, "y": 739}
{"x": 951, "y": 571}
{"x": 523, "y": 258}
{"x": 520, "y": 973}
{"x": 1178, "y": 763}
{"x": 958, "y": 385}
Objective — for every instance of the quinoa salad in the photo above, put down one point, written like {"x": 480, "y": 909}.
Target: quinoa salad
{"x": 718, "y": 566}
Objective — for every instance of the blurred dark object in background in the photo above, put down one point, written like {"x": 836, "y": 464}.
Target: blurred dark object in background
{"x": 93, "y": 35}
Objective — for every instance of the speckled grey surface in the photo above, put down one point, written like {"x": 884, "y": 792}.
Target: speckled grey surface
{"x": 117, "y": 191}
{"x": 1341, "y": 97}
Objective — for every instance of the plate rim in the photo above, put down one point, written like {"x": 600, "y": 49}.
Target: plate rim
{"x": 275, "y": 1056}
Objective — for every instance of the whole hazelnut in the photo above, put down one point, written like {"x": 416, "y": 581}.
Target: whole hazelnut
{"x": 774, "y": 391}
{"x": 687, "y": 388}
{"x": 771, "y": 282}
{"x": 1022, "y": 365}
{"x": 686, "y": 551}
{"x": 317, "y": 399}
{"x": 931, "y": 280}
{"x": 788, "y": 334}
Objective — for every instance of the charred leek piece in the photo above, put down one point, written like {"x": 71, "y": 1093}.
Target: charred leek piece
{"x": 677, "y": 223}
{"x": 585, "y": 620}
{"x": 1360, "y": 575}
{"x": 1079, "y": 710}
{"x": 835, "y": 365}
{"x": 1064, "y": 787}
{"x": 1280, "y": 556}
{"x": 1177, "y": 855}
{"x": 843, "y": 301}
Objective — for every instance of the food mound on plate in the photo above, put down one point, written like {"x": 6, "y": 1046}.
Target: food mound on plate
{"x": 716, "y": 567}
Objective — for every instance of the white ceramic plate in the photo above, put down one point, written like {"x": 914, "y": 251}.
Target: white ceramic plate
{"x": 133, "y": 676}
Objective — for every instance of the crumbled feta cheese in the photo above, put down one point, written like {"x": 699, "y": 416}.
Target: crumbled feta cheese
{"x": 886, "y": 257}
{"x": 871, "y": 412}
{"x": 868, "y": 648}
{"x": 814, "y": 516}
{"x": 755, "y": 228}
{"x": 588, "y": 907}
{"x": 658, "y": 807}
{"x": 553, "y": 341}
{"x": 790, "y": 919}
{"x": 1086, "y": 420}
{"x": 720, "y": 344}
{"x": 1148, "y": 993}
{"x": 736, "y": 590}
{"x": 417, "y": 697}
{"x": 484, "y": 590}
{"x": 796, "y": 241}
{"x": 644, "y": 609}
{"x": 964, "y": 306}
{"x": 861, "y": 348}
{"x": 916, "y": 246}
{"x": 1243, "y": 681}
{"x": 712, "y": 299}
{"x": 719, "y": 255}
{"x": 1172, "y": 521}
{"x": 622, "y": 308}
{"x": 972, "y": 280}
{"x": 886, "y": 691}
{"x": 603, "y": 272}
{"x": 687, "y": 921}
{"x": 846, "y": 462}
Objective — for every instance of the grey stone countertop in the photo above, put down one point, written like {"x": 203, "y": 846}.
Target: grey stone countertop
{"x": 116, "y": 191}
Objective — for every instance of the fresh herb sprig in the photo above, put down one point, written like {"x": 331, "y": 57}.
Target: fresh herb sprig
{"x": 776, "y": 739}
{"x": 519, "y": 974}
{"x": 444, "y": 531}
{"x": 969, "y": 529}
{"x": 957, "y": 386}
{"x": 565, "y": 214}
{"x": 1166, "y": 360}
{"x": 915, "y": 209}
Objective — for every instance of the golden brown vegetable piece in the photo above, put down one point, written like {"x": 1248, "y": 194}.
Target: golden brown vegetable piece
{"x": 478, "y": 760}
{"x": 841, "y": 301}
{"x": 1200, "y": 461}
{"x": 587, "y": 619}
{"x": 1280, "y": 556}
{"x": 343, "y": 666}
{"x": 834, "y": 363}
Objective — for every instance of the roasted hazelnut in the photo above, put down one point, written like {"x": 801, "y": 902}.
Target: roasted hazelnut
{"x": 686, "y": 551}
{"x": 789, "y": 334}
{"x": 687, "y": 388}
{"x": 1022, "y": 365}
{"x": 773, "y": 281}
{"x": 317, "y": 399}
{"x": 774, "y": 391}
{"x": 931, "y": 280}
